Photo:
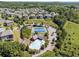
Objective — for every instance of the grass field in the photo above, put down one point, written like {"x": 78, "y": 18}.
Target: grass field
{"x": 48, "y": 54}
{"x": 72, "y": 32}
{"x": 16, "y": 33}
{"x": 70, "y": 45}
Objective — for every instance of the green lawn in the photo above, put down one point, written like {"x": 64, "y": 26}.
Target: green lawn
{"x": 26, "y": 32}
{"x": 72, "y": 32}
{"x": 30, "y": 21}
{"x": 70, "y": 45}
{"x": 16, "y": 33}
{"x": 48, "y": 54}
{"x": 10, "y": 18}
{"x": 42, "y": 21}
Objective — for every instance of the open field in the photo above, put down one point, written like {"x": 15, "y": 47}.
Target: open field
{"x": 70, "y": 45}
{"x": 72, "y": 32}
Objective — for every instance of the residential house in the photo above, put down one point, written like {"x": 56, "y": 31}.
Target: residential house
{"x": 32, "y": 16}
{"x": 6, "y": 22}
{"x": 39, "y": 16}
{"x": 47, "y": 16}
{"x": 6, "y": 34}
{"x": 25, "y": 16}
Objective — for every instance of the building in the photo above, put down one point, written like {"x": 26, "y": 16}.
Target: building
{"x": 6, "y": 34}
{"x": 32, "y": 16}
{"x": 6, "y": 22}
{"x": 35, "y": 37}
{"x": 39, "y": 16}
{"x": 28, "y": 13}
{"x": 47, "y": 16}
{"x": 25, "y": 16}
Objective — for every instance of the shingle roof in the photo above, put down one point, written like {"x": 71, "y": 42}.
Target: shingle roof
{"x": 5, "y": 21}
{"x": 2, "y": 29}
{"x": 6, "y": 32}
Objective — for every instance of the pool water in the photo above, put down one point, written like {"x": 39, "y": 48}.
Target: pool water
{"x": 38, "y": 29}
{"x": 36, "y": 44}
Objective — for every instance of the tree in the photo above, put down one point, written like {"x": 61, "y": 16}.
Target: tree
{"x": 11, "y": 49}
{"x": 60, "y": 20}
{"x": 25, "y": 32}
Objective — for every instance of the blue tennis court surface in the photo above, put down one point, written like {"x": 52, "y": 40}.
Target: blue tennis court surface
{"x": 38, "y": 29}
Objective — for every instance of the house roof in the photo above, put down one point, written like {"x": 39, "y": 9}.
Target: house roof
{"x": 47, "y": 15}
{"x": 5, "y": 21}
{"x": 32, "y": 14}
{"x": 2, "y": 29}
{"x": 25, "y": 14}
{"x": 39, "y": 15}
{"x": 6, "y": 32}
{"x": 35, "y": 36}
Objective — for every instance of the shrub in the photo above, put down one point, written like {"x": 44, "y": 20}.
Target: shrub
{"x": 32, "y": 51}
{"x": 46, "y": 43}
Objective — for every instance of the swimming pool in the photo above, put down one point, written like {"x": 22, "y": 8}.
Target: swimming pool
{"x": 38, "y": 29}
{"x": 36, "y": 44}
